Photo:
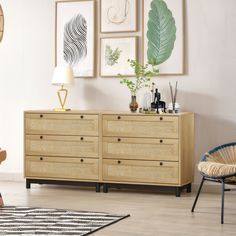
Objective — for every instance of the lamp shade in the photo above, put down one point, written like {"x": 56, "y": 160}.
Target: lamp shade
{"x": 63, "y": 75}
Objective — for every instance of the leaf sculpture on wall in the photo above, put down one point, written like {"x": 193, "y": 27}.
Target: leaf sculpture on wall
{"x": 161, "y": 33}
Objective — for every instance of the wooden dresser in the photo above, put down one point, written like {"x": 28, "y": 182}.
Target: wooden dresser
{"x": 109, "y": 149}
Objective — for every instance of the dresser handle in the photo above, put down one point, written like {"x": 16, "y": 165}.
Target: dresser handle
{"x": 119, "y": 162}
{"x": 161, "y": 141}
{"x": 41, "y": 116}
{"x": 118, "y": 139}
{"x": 41, "y": 137}
{"x": 161, "y": 163}
{"x": 81, "y": 138}
{"x": 81, "y": 160}
{"x": 82, "y": 117}
{"x": 41, "y": 158}
{"x": 161, "y": 118}
{"x": 118, "y": 117}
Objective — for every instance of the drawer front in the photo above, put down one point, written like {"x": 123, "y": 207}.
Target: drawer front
{"x": 155, "y": 126}
{"x": 61, "y": 124}
{"x": 71, "y": 146}
{"x": 141, "y": 171}
{"x": 141, "y": 148}
{"x": 61, "y": 168}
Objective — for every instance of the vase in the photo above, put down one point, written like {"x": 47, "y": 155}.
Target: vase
{"x": 133, "y": 104}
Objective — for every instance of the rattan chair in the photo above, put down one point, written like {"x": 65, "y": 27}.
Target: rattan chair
{"x": 218, "y": 165}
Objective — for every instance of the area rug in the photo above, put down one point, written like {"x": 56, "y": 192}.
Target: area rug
{"x": 44, "y": 221}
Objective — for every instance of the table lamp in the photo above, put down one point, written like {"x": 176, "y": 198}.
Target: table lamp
{"x": 63, "y": 75}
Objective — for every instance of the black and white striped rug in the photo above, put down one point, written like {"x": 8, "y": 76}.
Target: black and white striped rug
{"x": 43, "y": 221}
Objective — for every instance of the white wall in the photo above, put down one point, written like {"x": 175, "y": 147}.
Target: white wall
{"x": 26, "y": 67}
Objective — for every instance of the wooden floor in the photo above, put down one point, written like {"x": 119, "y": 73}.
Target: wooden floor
{"x": 151, "y": 213}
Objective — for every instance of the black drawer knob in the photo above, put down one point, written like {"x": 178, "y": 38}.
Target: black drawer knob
{"x": 161, "y": 141}
{"x": 118, "y": 117}
{"x": 81, "y": 160}
{"x": 161, "y": 118}
{"x": 82, "y": 117}
{"x": 41, "y": 116}
{"x": 41, "y": 158}
{"x": 82, "y": 138}
{"x": 161, "y": 163}
{"x": 41, "y": 137}
{"x": 118, "y": 162}
{"x": 118, "y": 139}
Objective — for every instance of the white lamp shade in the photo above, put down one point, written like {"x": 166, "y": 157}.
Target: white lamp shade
{"x": 63, "y": 75}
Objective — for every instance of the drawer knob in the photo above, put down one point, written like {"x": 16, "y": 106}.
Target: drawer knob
{"x": 118, "y": 139}
{"x": 41, "y": 137}
{"x": 41, "y": 158}
{"x": 118, "y": 117}
{"x": 161, "y": 118}
{"x": 82, "y": 117}
{"x": 41, "y": 116}
{"x": 161, "y": 163}
{"x": 119, "y": 162}
{"x": 161, "y": 141}
{"x": 81, "y": 160}
{"x": 82, "y": 138}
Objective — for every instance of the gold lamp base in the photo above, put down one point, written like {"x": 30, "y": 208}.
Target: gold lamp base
{"x": 62, "y": 95}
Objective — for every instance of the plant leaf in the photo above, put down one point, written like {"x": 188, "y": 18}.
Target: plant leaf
{"x": 161, "y": 33}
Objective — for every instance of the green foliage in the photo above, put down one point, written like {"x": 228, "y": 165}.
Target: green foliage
{"x": 143, "y": 75}
{"x": 112, "y": 56}
{"x": 161, "y": 33}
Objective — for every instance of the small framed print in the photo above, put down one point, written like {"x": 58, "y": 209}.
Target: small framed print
{"x": 114, "y": 56}
{"x": 118, "y": 16}
{"x": 74, "y": 37}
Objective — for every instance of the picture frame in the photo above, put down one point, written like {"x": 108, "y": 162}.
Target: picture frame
{"x": 174, "y": 65}
{"x": 114, "y": 55}
{"x": 75, "y": 36}
{"x": 1, "y": 23}
{"x": 118, "y": 16}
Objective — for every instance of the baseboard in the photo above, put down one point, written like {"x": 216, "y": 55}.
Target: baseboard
{"x": 14, "y": 177}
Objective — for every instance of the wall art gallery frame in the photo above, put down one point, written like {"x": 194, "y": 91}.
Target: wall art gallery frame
{"x": 122, "y": 17}
{"x": 75, "y": 36}
{"x": 174, "y": 65}
{"x": 1, "y": 23}
{"x": 113, "y": 61}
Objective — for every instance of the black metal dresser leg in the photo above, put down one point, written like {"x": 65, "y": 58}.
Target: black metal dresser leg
{"x": 98, "y": 187}
{"x": 27, "y": 183}
{"x": 177, "y": 191}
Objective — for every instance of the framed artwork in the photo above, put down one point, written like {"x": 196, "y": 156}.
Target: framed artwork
{"x": 163, "y": 35}
{"x": 118, "y": 15}
{"x": 1, "y": 23}
{"x": 114, "y": 56}
{"x": 74, "y": 36}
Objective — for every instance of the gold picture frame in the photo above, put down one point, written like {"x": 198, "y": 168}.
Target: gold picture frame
{"x": 125, "y": 21}
{"x": 1, "y": 23}
{"x": 178, "y": 8}
{"x": 126, "y": 47}
{"x": 65, "y": 12}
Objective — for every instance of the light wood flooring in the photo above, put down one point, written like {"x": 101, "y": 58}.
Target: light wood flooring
{"x": 152, "y": 213}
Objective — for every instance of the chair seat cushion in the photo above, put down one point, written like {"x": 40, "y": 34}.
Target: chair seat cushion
{"x": 214, "y": 169}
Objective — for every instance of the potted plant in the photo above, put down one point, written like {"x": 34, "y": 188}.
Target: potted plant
{"x": 143, "y": 74}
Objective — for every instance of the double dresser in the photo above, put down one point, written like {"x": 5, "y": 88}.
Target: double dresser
{"x": 113, "y": 149}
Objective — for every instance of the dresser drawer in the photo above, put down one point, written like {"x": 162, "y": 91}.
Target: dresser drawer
{"x": 63, "y": 168}
{"x": 141, "y": 171}
{"x": 155, "y": 126}
{"x": 61, "y": 124}
{"x": 71, "y": 146}
{"x": 141, "y": 148}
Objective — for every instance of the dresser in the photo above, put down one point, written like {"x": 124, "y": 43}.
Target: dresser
{"x": 112, "y": 149}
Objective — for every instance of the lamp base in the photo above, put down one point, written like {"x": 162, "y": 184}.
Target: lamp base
{"x": 61, "y": 109}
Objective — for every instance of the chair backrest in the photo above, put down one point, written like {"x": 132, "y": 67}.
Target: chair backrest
{"x": 225, "y": 154}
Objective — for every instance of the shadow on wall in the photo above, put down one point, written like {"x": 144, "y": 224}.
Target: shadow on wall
{"x": 214, "y": 124}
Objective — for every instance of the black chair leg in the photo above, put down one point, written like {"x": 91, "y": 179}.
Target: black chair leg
{"x": 198, "y": 192}
{"x": 222, "y": 200}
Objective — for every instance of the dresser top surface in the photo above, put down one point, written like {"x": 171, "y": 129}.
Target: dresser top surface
{"x": 103, "y": 112}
